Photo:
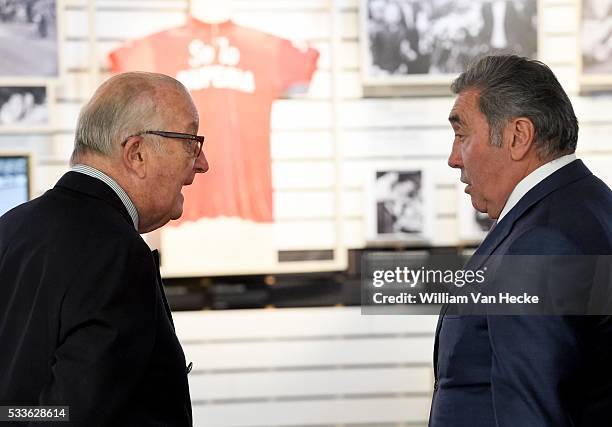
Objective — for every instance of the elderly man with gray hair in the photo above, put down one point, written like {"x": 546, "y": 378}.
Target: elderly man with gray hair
{"x": 84, "y": 321}
{"x": 515, "y": 140}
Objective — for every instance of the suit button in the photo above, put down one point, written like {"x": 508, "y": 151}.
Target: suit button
{"x": 435, "y": 385}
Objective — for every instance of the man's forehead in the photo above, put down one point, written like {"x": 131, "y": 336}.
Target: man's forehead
{"x": 465, "y": 103}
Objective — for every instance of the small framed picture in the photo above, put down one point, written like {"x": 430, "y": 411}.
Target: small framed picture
{"x": 473, "y": 225}
{"x": 24, "y": 109}
{"x": 398, "y": 205}
{"x": 29, "y": 36}
{"x": 595, "y": 23}
{"x": 15, "y": 180}
{"x": 427, "y": 42}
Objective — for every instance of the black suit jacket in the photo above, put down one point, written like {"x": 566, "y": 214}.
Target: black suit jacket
{"x": 83, "y": 316}
{"x": 553, "y": 371}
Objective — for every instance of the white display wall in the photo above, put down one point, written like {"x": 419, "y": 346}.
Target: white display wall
{"x": 308, "y": 367}
{"x": 308, "y": 131}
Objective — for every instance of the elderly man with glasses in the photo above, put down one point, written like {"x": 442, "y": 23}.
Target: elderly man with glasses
{"x": 84, "y": 322}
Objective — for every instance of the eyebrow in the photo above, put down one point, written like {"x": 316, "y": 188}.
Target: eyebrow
{"x": 454, "y": 118}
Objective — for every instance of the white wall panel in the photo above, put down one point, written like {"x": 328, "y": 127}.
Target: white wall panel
{"x": 315, "y": 204}
{"x": 446, "y": 201}
{"x": 305, "y": 234}
{"x": 317, "y": 234}
{"x": 301, "y": 145}
{"x": 600, "y": 166}
{"x": 46, "y": 176}
{"x": 66, "y": 115}
{"x": 272, "y": 324}
{"x": 559, "y": 49}
{"x": 276, "y": 367}
{"x": 40, "y": 144}
{"x": 279, "y": 354}
{"x": 328, "y": 382}
{"x": 559, "y": 19}
{"x": 567, "y": 74}
{"x": 595, "y": 137}
{"x": 595, "y": 109}
{"x": 336, "y": 412}
{"x": 397, "y": 142}
{"x": 446, "y": 232}
{"x": 348, "y": 55}
{"x": 417, "y": 112}
{"x": 349, "y": 85}
{"x": 118, "y": 24}
{"x": 76, "y": 88}
{"x": 302, "y": 115}
{"x": 63, "y": 143}
{"x": 293, "y": 24}
{"x": 298, "y": 25}
{"x": 304, "y": 205}
{"x": 353, "y": 233}
{"x": 303, "y": 174}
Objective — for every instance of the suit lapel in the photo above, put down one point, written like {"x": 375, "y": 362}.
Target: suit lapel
{"x": 564, "y": 176}
{"x": 160, "y": 283}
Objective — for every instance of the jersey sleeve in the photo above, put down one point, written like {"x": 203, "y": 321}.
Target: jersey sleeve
{"x": 295, "y": 64}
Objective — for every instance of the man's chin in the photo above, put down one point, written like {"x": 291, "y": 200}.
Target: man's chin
{"x": 177, "y": 214}
{"x": 479, "y": 205}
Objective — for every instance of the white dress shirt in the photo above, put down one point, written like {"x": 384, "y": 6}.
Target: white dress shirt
{"x": 125, "y": 199}
{"x": 533, "y": 179}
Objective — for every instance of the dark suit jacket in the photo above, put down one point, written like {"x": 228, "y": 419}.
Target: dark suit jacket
{"x": 554, "y": 371}
{"x": 83, "y": 317}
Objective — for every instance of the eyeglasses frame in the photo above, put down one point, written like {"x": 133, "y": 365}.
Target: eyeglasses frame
{"x": 178, "y": 135}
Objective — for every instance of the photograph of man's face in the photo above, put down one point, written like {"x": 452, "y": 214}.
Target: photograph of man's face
{"x": 399, "y": 202}
{"x": 23, "y": 106}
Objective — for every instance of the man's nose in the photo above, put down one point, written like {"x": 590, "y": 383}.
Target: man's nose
{"x": 201, "y": 164}
{"x": 454, "y": 159}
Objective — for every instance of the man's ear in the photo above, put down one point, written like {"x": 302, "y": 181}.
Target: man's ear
{"x": 133, "y": 156}
{"x": 521, "y": 133}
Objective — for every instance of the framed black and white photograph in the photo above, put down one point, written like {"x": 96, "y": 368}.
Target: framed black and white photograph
{"x": 29, "y": 39}
{"x": 398, "y": 206}
{"x": 24, "y": 108}
{"x": 596, "y": 42}
{"x": 15, "y": 180}
{"x": 428, "y": 41}
{"x": 473, "y": 225}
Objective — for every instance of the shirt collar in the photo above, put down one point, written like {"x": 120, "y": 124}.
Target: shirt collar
{"x": 125, "y": 199}
{"x": 533, "y": 179}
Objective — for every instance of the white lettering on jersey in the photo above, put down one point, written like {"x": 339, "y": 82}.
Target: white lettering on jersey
{"x": 215, "y": 65}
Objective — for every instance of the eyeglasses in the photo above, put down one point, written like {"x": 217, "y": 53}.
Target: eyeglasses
{"x": 197, "y": 148}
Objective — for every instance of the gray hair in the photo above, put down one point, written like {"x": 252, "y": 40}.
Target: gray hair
{"x": 122, "y": 106}
{"x": 511, "y": 86}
